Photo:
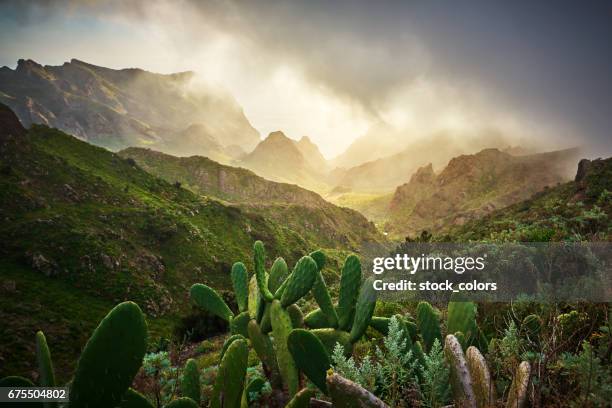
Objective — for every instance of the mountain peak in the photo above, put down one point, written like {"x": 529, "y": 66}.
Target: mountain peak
{"x": 9, "y": 123}
{"x": 277, "y": 137}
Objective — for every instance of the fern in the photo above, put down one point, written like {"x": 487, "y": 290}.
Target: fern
{"x": 435, "y": 388}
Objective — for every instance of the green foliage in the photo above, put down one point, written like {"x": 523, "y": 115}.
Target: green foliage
{"x": 240, "y": 282}
{"x": 190, "y": 381}
{"x": 208, "y": 299}
{"x": 331, "y": 337}
{"x": 363, "y": 373}
{"x": 163, "y": 376}
{"x": 227, "y": 392}
{"x": 592, "y": 375}
{"x": 396, "y": 367}
{"x": 310, "y": 356}
{"x": 434, "y": 387}
{"x": 111, "y": 358}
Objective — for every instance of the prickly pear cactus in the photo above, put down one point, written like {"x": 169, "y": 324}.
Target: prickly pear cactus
{"x": 310, "y": 356}
{"x": 461, "y": 381}
{"x": 45, "y": 365}
{"x": 428, "y": 322}
{"x": 278, "y": 274}
{"x": 329, "y": 338}
{"x": 517, "y": 396}
{"x": 265, "y": 351}
{"x": 350, "y": 281}
{"x": 227, "y": 392}
{"x": 259, "y": 259}
{"x": 300, "y": 281}
{"x": 346, "y": 394}
{"x": 481, "y": 378}
{"x": 240, "y": 282}
{"x": 238, "y": 324}
{"x": 229, "y": 341}
{"x": 190, "y": 381}
{"x": 281, "y": 328}
{"x": 111, "y": 358}
{"x": 462, "y": 318}
{"x": 208, "y": 299}
{"x": 532, "y": 325}
{"x": 317, "y": 320}
{"x": 296, "y": 315}
{"x": 364, "y": 310}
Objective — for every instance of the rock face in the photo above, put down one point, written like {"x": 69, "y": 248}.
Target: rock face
{"x": 472, "y": 186}
{"x": 127, "y": 107}
{"x": 281, "y": 159}
{"x": 9, "y": 123}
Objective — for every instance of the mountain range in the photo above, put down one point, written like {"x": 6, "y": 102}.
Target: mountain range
{"x": 129, "y": 107}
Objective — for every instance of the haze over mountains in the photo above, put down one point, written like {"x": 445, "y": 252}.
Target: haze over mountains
{"x": 377, "y": 174}
{"x": 128, "y": 107}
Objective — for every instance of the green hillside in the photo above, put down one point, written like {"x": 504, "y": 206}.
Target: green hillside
{"x": 577, "y": 210}
{"x": 94, "y": 229}
{"x": 299, "y": 209}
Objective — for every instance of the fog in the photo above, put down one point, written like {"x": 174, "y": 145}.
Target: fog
{"x": 337, "y": 72}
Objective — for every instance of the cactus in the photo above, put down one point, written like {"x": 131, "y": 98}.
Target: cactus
{"x": 229, "y": 341}
{"x": 461, "y": 381}
{"x": 320, "y": 292}
{"x": 462, "y": 318}
{"x": 346, "y": 394}
{"x": 296, "y": 315}
{"x": 317, "y": 320}
{"x": 380, "y": 324}
{"x": 190, "y": 381}
{"x": 310, "y": 356}
{"x": 517, "y": 396}
{"x": 208, "y": 299}
{"x": 182, "y": 402}
{"x": 350, "y": 281}
{"x": 278, "y": 274}
{"x": 329, "y": 338}
{"x": 363, "y": 311}
{"x": 229, "y": 383}
{"x": 240, "y": 283}
{"x": 45, "y": 365}
{"x": 301, "y": 399}
{"x": 300, "y": 281}
{"x": 281, "y": 327}
{"x": 259, "y": 259}
{"x": 428, "y": 322}
{"x": 254, "y": 297}
{"x": 265, "y": 351}
{"x": 134, "y": 399}
{"x": 481, "y": 378}
{"x": 238, "y": 325}
{"x": 111, "y": 358}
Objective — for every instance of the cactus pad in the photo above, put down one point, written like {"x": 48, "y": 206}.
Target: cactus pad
{"x": 238, "y": 324}
{"x": 350, "y": 281}
{"x": 517, "y": 396}
{"x": 209, "y": 300}
{"x": 240, "y": 283}
{"x": 300, "y": 281}
{"x": 346, "y": 394}
{"x": 364, "y": 310}
{"x": 310, "y": 356}
{"x": 481, "y": 378}
{"x": 190, "y": 381}
{"x": 229, "y": 383}
{"x": 259, "y": 259}
{"x": 428, "y": 323}
{"x": 461, "y": 381}
{"x": 281, "y": 327}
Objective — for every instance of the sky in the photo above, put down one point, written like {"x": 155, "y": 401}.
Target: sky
{"x": 534, "y": 70}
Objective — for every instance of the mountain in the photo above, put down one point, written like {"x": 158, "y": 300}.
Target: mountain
{"x": 282, "y": 159}
{"x": 84, "y": 228}
{"x": 126, "y": 107}
{"x": 471, "y": 186}
{"x": 300, "y": 210}
{"x": 382, "y": 175}
{"x": 577, "y": 210}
